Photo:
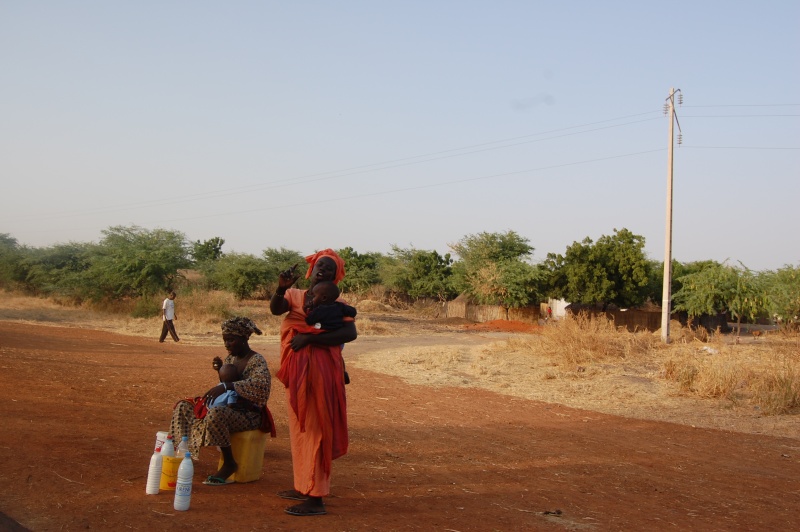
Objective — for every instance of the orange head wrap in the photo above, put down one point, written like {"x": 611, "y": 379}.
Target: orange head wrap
{"x": 331, "y": 254}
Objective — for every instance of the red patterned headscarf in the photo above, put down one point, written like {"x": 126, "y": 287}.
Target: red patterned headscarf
{"x": 331, "y": 254}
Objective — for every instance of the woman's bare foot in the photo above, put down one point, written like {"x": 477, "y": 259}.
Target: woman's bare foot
{"x": 226, "y": 470}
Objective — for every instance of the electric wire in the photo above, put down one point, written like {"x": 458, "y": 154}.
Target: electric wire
{"x": 322, "y": 176}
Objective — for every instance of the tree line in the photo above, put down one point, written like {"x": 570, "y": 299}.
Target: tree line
{"x": 489, "y": 268}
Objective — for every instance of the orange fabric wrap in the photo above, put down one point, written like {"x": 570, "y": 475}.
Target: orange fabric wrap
{"x": 314, "y": 381}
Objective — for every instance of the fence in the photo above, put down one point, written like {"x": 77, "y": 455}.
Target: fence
{"x": 631, "y": 319}
{"x": 483, "y": 313}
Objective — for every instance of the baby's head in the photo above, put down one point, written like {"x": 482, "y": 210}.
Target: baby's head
{"x": 228, "y": 373}
{"x": 324, "y": 293}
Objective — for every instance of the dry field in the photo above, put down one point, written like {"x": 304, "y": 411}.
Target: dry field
{"x": 640, "y": 381}
{"x": 454, "y": 426}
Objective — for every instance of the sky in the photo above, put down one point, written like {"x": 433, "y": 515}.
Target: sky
{"x": 370, "y": 124}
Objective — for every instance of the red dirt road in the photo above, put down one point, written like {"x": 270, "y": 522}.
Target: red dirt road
{"x": 81, "y": 409}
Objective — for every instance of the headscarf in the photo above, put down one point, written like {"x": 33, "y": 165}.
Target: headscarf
{"x": 239, "y": 326}
{"x": 312, "y": 259}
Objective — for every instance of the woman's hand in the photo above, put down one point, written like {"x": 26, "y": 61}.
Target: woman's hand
{"x": 216, "y": 363}
{"x": 301, "y": 340}
{"x": 342, "y": 335}
{"x": 278, "y": 303}
{"x": 214, "y": 392}
{"x": 287, "y": 278}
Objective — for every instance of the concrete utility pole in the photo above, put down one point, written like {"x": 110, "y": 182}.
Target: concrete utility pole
{"x": 666, "y": 300}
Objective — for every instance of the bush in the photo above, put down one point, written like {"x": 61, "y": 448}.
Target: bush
{"x": 146, "y": 308}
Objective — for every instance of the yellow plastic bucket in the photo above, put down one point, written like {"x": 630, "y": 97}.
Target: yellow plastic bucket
{"x": 169, "y": 472}
{"x": 248, "y": 451}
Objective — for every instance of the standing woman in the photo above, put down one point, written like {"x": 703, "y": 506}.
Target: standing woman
{"x": 215, "y": 428}
{"x": 313, "y": 372}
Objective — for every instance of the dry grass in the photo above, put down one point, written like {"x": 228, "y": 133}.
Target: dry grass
{"x": 766, "y": 375}
{"x": 589, "y": 364}
{"x": 199, "y": 314}
{"x": 584, "y": 362}
{"x": 581, "y": 339}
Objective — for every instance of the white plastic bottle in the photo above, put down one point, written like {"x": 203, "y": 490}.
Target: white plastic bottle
{"x": 183, "y": 489}
{"x": 154, "y": 473}
{"x": 168, "y": 449}
{"x": 183, "y": 446}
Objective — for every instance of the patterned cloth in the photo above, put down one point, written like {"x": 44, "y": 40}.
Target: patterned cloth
{"x": 220, "y": 421}
{"x": 239, "y": 326}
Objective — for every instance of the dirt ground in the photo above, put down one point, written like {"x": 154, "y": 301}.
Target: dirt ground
{"x": 82, "y": 408}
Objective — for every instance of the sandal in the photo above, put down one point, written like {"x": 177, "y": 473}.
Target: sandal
{"x": 216, "y": 481}
{"x": 302, "y": 510}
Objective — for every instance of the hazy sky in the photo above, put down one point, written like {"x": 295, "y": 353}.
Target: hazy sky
{"x": 369, "y": 124}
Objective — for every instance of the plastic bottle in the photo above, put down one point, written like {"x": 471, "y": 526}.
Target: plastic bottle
{"x": 154, "y": 473}
{"x": 183, "y": 446}
{"x": 183, "y": 489}
{"x": 168, "y": 449}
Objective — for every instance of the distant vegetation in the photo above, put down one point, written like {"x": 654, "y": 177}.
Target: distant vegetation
{"x": 138, "y": 265}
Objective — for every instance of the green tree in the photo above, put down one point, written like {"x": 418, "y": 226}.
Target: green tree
{"x": 614, "y": 270}
{"x": 132, "y": 261}
{"x": 477, "y": 250}
{"x": 420, "y": 273}
{"x": 209, "y": 250}
{"x": 783, "y": 292}
{"x": 243, "y": 275}
{"x": 62, "y": 269}
{"x": 682, "y": 269}
{"x": 714, "y": 289}
{"x": 493, "y": 269}
{"x": 361, "y": 268}
{"x": 508, "y": 283}
{"x": 655, "y": 289}
{"x": 282, "y": 259}
{"x": 11, "y": 256}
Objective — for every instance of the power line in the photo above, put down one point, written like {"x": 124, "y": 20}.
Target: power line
{"x": 396, "y": 163}
{"x": 738, "y": 116}
{"x": 748, "y": 105}
{"x": 737, "y": 148}
{"x": 306, "y": 203}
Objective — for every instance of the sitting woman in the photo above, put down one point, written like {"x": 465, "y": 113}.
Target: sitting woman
{"x": 248, "y": 413}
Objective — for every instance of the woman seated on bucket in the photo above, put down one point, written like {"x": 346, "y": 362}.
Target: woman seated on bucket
{"x": 248, "y": 413}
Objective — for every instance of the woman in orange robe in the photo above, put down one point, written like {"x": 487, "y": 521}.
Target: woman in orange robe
{"x": 312, "y": 371}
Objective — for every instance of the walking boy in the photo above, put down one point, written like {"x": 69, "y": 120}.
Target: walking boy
{"x": 168, "y": 314}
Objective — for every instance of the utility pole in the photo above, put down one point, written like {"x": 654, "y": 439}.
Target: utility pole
{"x": 666, "y": 300}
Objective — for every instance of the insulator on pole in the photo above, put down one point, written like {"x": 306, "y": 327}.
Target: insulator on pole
{"x": 680, "y": 139}
{"x": 666, "y": 108}
{"x": 680, "y": 98}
